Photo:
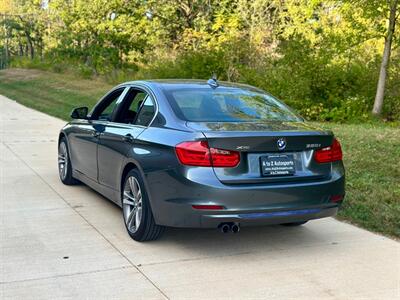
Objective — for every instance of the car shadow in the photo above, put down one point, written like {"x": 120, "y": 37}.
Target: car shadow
{"x": 200, "y": 243}
{"x": 274, "y": 236}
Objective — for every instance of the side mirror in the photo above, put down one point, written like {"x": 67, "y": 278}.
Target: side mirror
{"x": 79, "y": 113}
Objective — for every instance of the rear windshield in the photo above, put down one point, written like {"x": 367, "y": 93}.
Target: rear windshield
{"x": 227, "y": 105}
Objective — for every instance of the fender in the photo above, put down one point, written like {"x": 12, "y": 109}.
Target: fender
{"x": 127, "y": 161}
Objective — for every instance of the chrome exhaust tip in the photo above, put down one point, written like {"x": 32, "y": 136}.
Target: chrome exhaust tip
{"x": 225, "y": 228}
{"x": 235, "y": 228}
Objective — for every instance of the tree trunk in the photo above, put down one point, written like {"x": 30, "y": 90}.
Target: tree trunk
{"x": 380, "y": 90}
{"x": 6, "y": 50}
{"x": 30, "y": 44}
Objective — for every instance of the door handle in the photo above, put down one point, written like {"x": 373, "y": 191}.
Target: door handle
{"x": 128, "y": 138}
{"x": 95, "y": 133}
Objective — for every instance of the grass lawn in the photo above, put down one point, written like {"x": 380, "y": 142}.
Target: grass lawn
{"x": 372, "y": 161}
{"x": 371, "y": 151}
{"x": 51, "y": 93}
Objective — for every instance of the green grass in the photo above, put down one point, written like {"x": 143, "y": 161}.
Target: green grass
{"x": 52, "y": 93}
{"x": 371, "y": 151}
{"x": 372, "y": 161}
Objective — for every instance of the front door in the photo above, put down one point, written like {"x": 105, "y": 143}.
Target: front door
{"x": 85, "y": 139}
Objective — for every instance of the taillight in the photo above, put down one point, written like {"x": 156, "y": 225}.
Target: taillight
{"x": 224, "y": 158}
{"x": 200, "y": 154}
{"x": 329, "y": 154}
{"x": 194, "y": 153}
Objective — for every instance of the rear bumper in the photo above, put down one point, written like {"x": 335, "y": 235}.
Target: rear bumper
{"x": 172, "y": 194}
{"x": 269, "y": 217}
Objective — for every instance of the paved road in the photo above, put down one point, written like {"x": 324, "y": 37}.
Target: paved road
{"x": 59, "y": 241}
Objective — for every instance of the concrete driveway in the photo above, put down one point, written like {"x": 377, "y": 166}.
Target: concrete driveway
{"x": 60, "y": 241}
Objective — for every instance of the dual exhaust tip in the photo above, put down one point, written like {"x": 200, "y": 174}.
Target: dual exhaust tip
{"x": 230, "y": 227}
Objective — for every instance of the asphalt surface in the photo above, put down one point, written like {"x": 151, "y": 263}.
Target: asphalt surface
{"x": 60, "y": 241}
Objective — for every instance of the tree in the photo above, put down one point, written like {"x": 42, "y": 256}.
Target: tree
{"x": 23, "y": 28}
{"x": 380, "y": 91}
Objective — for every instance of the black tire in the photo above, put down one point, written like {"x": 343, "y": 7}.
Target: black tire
{"x": 294, "y": 224}
{"x": 147, "y": 230}
{"x": 65, "y": 176}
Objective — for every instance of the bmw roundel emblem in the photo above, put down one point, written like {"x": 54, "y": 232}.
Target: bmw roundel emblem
{"x": 281, "y": 143}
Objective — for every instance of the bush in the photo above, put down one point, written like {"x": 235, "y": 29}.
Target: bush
{"x": 27, "y": 63}
{"x": 352, "y": 109}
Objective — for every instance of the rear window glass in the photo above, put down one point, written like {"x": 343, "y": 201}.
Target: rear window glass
{"x": 227, "y": 105}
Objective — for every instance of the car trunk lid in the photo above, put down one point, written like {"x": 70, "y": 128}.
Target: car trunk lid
{"x": 258, "y": 146}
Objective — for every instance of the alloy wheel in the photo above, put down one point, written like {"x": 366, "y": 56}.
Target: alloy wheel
{"x": 62, "y": 160}
{"x": 132, "y": 204}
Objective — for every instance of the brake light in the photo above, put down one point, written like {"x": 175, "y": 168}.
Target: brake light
{"x": 194, "y": 153}
{"x": 200, "y": 154}
{"x": 329, "y": 154}
{"x": 224, "y": 158}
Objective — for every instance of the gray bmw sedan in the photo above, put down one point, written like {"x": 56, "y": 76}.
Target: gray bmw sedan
{"x": 201, "y": 154}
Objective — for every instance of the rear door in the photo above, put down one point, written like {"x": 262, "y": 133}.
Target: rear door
{"x": 269, "y": 152}
{"x": 133, "y": 115}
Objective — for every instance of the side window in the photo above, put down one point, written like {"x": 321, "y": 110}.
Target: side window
{"x": 146, "y": 113}
{"x": 105, "y": 110}
{"x": 137, "y": 103}
{"x": 134, "y": 102}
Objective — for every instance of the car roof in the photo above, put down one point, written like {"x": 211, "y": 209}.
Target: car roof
{"x": 172, "y": 84}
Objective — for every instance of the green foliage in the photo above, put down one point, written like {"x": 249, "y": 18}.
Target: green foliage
{"x": 352, "y": 109}
{"x": 322, "y": 57}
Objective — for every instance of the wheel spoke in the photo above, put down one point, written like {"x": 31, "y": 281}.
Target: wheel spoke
{"x": 136, "y": 188}
{"x": 128, "y": 202}
{"x": 65, "y": 167}
{"x": 132, "y": 186}
{"x": 130, "y": 198}
{"x": 138, "y": 216}
{"x": 131, "y": 218}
